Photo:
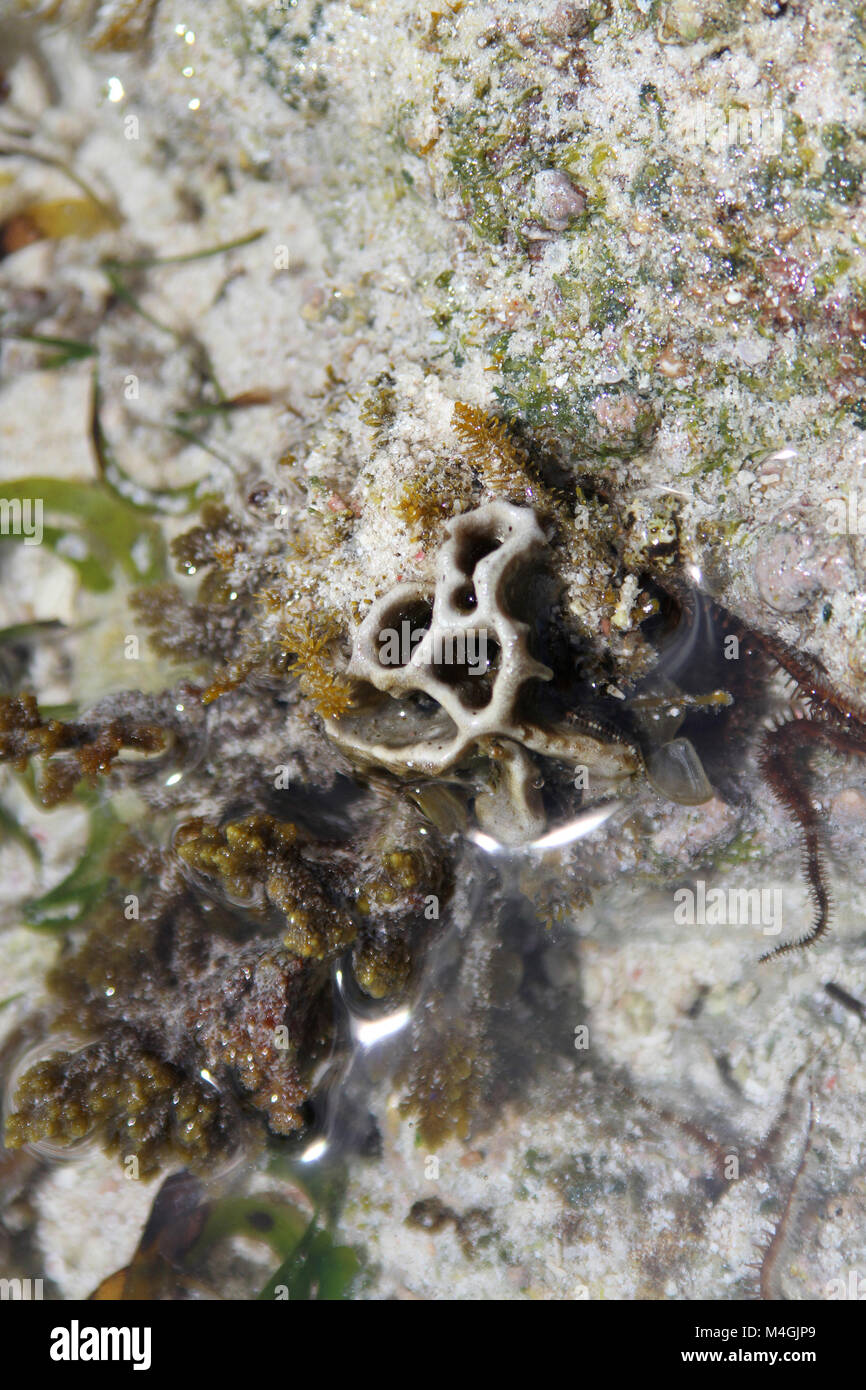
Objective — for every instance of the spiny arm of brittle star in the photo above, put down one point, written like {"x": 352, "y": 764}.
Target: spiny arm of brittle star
{"x": 810, "y": 677}
{"x": 807, "y": 671}
{"x": 719, "y": 1150}
{"x": 783, "y": 767}
{"x": 773, "y": 1249}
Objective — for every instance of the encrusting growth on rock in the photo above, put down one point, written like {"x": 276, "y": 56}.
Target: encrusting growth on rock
{"x": 201, "y": 1023}
{"x": 310, "y": 645}
{"x": 69, "y": 751}
{"x": 215, "y": 1004}
{"x": 260, "y": 856}
{"x": 502, "y": 463}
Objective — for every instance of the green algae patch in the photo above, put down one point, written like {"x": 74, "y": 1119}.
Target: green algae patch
{"x": 95, "y": 532}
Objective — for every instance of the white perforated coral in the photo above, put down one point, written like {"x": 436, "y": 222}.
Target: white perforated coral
{"x": 457, "y": 663}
